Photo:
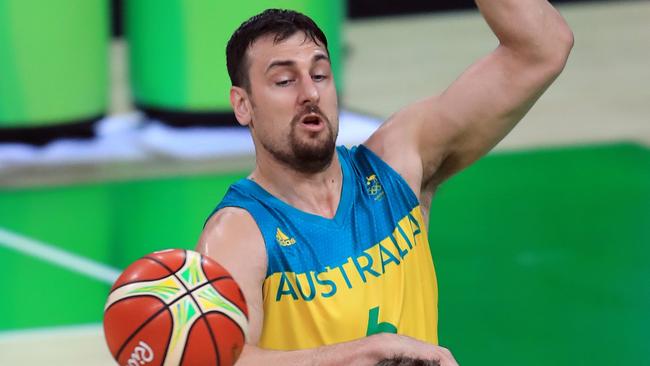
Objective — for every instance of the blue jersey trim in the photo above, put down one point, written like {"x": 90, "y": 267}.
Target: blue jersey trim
{"x": 342, "y": 211}
{"x": 361, "y": 220}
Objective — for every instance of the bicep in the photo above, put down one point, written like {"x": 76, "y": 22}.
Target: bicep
{"x": 484, "y": 104}
{"x": 232, "y": 238}
{"x": 435, "y": 137}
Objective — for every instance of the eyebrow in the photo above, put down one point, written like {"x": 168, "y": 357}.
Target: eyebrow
{"x": 280, "y": 63}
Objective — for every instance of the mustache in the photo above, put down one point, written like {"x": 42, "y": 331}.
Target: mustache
{"x": 309, "y": 109}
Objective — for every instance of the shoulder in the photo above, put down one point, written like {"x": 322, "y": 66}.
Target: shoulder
{"x": 228, "y": 220}
{"x": 232, "y": 237}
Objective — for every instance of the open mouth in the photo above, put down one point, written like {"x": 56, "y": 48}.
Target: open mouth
{"x": 311, "y": 120}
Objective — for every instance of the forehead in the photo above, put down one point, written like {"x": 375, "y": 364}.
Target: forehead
{"x": 265, "y": 50}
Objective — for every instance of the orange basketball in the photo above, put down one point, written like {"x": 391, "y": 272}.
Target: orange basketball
{"x": 175, "y": 307}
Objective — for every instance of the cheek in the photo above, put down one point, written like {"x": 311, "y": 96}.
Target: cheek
{"x": 329, "y": 101}
{"x": 329, "y": 94}
{"x": 278, "y": 102}
{"x": 271, "y": 118}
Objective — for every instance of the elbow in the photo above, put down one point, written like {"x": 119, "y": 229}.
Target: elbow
{"x": 559, "y": 49}
{"x": 548, "y": 51}
{"x": 551, "y": 55}
{"x": 565, "y": 41}
{"x": 568, "y": 38}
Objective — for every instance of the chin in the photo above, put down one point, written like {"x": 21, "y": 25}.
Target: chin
{"x": 314, "y": 158}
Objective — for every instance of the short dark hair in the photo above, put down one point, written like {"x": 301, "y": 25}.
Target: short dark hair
{"x": 278, "y": 22}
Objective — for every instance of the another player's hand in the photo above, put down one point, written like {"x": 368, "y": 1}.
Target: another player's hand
{"x": 405, "y": 361}
{"x": 402, "y": 346}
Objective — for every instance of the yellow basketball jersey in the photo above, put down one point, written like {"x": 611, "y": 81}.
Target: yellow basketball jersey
{"x": 367, "y": 270}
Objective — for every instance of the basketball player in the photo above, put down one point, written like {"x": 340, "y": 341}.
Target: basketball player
{"x": 329, "y": 244}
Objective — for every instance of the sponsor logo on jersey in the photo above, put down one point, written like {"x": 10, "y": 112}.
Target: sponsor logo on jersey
{"x": 283, "y": 239}
{"x": 374, "y": 188}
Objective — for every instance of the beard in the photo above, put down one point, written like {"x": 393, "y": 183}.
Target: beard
{"x": 303, "y": 153}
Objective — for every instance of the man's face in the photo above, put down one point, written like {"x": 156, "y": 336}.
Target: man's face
{"x": 293, "y": 103}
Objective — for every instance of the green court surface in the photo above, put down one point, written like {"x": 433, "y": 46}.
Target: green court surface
{"x": 542, "y": 256}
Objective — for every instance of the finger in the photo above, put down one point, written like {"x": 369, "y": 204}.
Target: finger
{"x": 446, "y": 357}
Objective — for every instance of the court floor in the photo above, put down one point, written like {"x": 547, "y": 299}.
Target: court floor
{"x": 541, "y": 248}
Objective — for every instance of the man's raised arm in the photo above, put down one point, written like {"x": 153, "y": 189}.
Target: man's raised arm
{"x": 433, "y": 138}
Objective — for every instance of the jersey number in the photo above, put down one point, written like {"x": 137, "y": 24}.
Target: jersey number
{"x": 374, "y": 327}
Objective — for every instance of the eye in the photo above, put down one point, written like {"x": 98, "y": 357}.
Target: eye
{"x": 284, "y": 83}
{"x": 319, "y": 77}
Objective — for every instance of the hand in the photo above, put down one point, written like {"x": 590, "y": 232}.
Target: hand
{"x": 404, "y": 361}
{"x": 392, "y": 345}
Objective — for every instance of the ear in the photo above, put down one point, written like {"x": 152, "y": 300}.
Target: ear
{"x": 240, "y": 105}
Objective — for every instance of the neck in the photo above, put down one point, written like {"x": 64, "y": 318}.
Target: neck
{"x": 315, "y": 193}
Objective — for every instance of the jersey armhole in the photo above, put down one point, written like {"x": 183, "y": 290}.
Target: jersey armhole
{"x": 376, "y": 158}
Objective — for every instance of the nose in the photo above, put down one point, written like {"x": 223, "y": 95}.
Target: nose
{"x": 308, "y": 92}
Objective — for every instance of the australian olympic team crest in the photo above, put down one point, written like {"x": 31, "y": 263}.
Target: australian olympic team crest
{"x": 374, "y": 188}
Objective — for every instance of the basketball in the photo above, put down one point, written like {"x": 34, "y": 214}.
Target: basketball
{"x": 175, "y": 307}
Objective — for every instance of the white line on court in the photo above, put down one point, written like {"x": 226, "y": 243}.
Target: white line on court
{"x": 84, "y": 330}
{"x": 57, "y": 256}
